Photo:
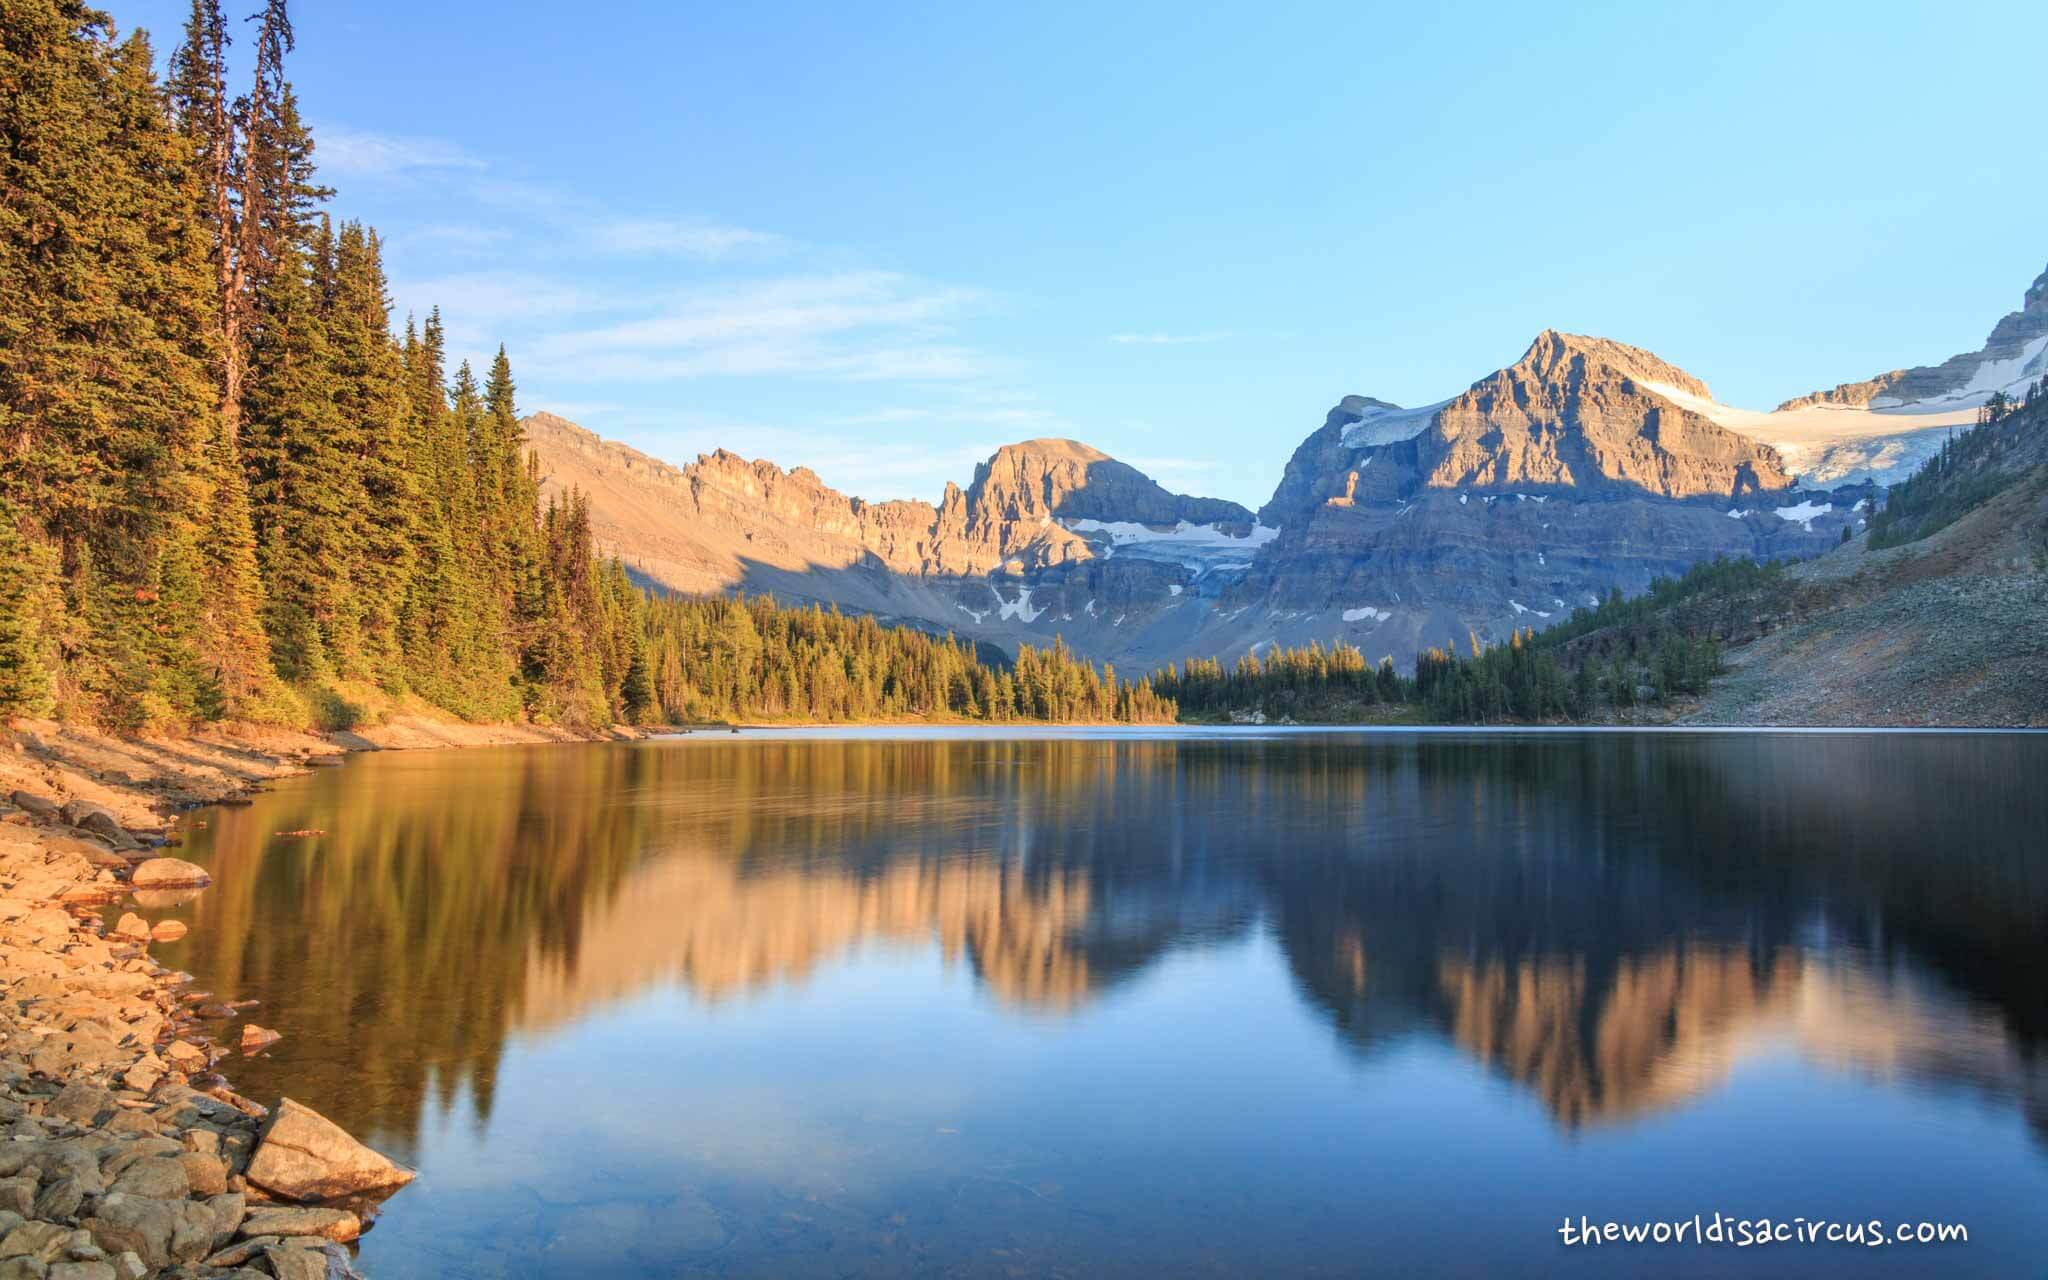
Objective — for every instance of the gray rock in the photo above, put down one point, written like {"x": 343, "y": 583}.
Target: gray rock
{"x": 156, "y": 1177}
{"x": 99, "y": 820}
{"x": 160, "y": 1232}
{"x": 82, "y": 1102}
{"x": 72, "y": 1158}
{"x": 43, "y": 1241}
{"x": 306, "y": 1156}
{"x": 338, "y": 1225}
{"x": 240, "y": 1251}
{"x": 23, "y": 1269}
{"x": 83, "y": 1271}
{"x": 228, "y": 1210}
{"x": 329, "y": 1262}
{"x": 30, "y": 802}
{"x": 60, "y": 1201}
{"x": 18, "y": 1194}
{"x": 129, "y": 1267}
{"x": 141, "y": 1148}
{"x": 208, "y": 1175}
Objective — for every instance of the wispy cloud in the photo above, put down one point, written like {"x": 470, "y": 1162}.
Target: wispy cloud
{"x": 1019, "y": 420}
{"x": 1163, "y": 339}
{"x": 359, "y": 153}
{"x": 862, "y": 326}
{"x": 480, "y": 296}
{"x": 678, "y": 236}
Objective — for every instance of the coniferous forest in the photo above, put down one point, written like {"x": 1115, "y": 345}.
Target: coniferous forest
{"x": 231, "y": 486}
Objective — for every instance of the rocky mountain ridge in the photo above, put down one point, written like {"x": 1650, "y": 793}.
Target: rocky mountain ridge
{"x": 1582, "y": 466}
{"x": 2015, "y": 353}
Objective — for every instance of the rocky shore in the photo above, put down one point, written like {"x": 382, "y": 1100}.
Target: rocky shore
{"x": 124, "y": 1151}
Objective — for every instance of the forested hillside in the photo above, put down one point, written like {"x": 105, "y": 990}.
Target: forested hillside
{"x": 717, "y": 659}
{"x": 229, "y": 489}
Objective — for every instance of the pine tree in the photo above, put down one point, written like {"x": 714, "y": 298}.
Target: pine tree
{"x": 24, "y": 669}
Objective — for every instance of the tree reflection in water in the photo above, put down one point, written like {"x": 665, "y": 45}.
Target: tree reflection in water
{"x": 1610, "y": 921}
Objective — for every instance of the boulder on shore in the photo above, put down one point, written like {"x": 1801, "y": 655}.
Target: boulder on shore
{"x": 305, "y": 1156}
{"x": 99, "y": 820}
{"x": 170, "y": 873}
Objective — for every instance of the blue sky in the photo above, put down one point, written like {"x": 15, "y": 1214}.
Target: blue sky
{"x": 880, "y": 240}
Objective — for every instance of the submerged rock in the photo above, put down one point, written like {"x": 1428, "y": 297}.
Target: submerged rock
{"x": 305, "y": 1156}
{"x": 255, "y": 1038}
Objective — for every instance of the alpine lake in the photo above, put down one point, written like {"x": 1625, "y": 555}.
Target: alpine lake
{"x": 1079, "y": 1002}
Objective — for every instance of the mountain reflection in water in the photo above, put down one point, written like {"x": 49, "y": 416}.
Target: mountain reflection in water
{"x": 1608, "y": 920}
{"x": 1612, "y": 924}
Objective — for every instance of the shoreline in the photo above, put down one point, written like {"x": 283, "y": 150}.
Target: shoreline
{"x": 127, "y": 1154}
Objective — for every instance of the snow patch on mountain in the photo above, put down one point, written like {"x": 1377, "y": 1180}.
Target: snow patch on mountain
{"x": 1831, "y": 444}
{"x": 2012, "y": 376}
{"x": 1200, "y": 547}
{"x": 1018, "y": 608}
{"x": 1378, "y": 426}
{"x": 1805, "y": 512}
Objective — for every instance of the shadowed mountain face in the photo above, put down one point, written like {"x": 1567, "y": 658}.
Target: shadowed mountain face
{"x": 1583, "y": 466}
{"x": 1613, "y": 923}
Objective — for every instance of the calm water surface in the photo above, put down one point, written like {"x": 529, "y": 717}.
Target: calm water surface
{"x": 1137, "y": 1004}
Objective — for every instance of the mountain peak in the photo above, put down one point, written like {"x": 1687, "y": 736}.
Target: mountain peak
{"x": 1055, "y": 477}
{"x": 2037, "y": 294}
{"x": 1055, "y": 447}
{"x": 1554, "y": 354}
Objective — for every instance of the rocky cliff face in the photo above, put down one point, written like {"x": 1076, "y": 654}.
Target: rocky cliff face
{"x": 1586, "y": 413}
{"x": 1577, "y": 469}
{"x": 1051, "y": 538}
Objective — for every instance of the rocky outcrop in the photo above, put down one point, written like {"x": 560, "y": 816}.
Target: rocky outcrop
{"x": 2012, "y": 355}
